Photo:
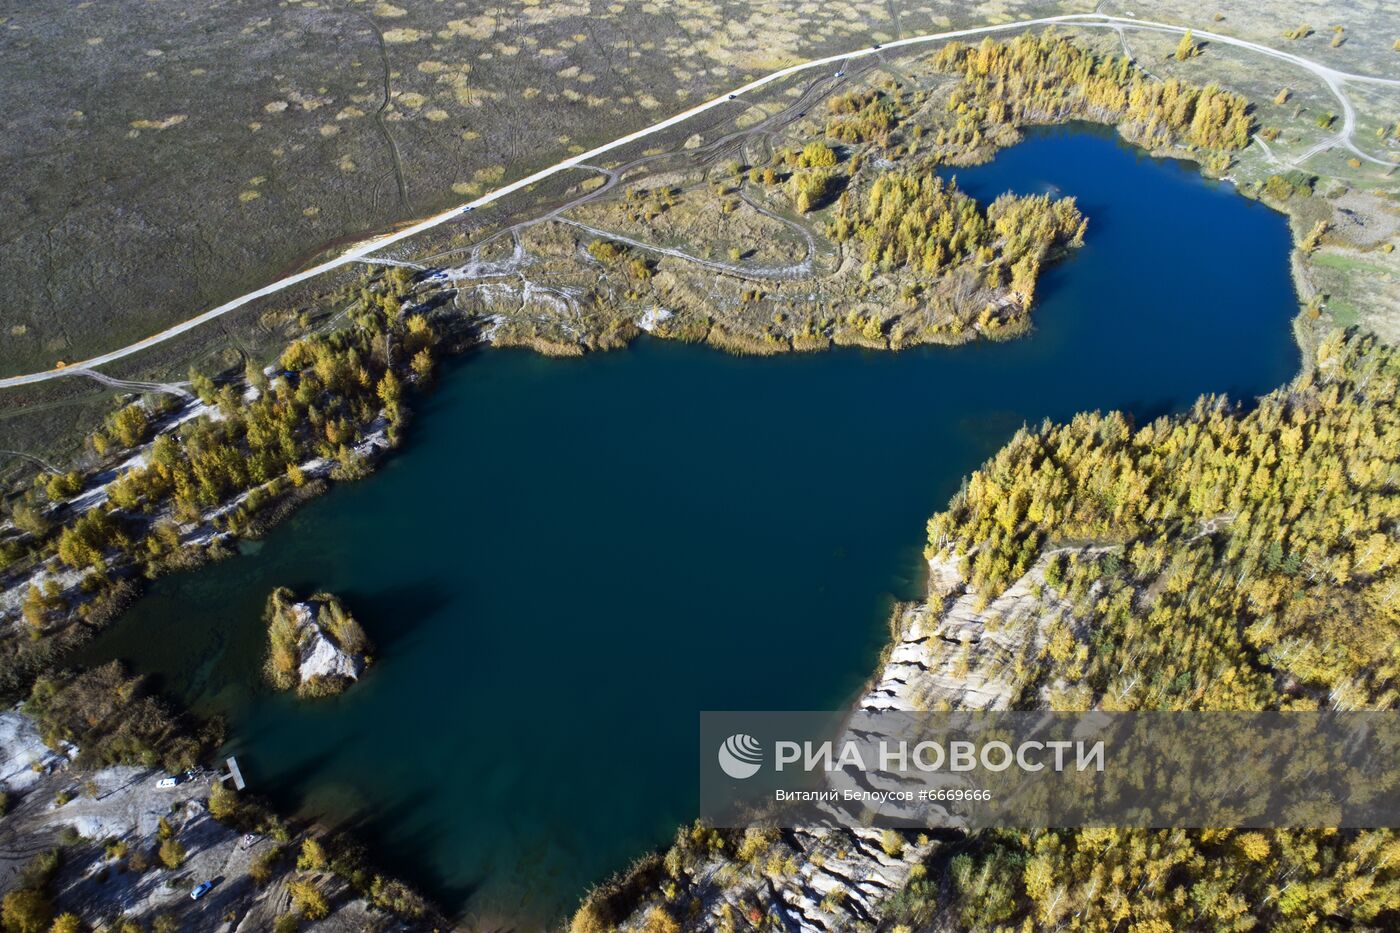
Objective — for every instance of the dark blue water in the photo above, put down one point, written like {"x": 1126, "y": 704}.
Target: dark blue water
{"x": 572, "y": 558}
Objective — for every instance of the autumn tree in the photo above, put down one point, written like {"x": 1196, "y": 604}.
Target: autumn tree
{"x": 172, "y": 853}
{"x": 309, "y": 899}
{"x": 26, "y": 910}
{"x": 1187, "y": 47}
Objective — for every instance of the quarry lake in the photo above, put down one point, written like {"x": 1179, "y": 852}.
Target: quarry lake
{"x": 569, "y": 559}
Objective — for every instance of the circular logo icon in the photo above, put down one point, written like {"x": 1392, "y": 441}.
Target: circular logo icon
{"x": 740, "y": 756}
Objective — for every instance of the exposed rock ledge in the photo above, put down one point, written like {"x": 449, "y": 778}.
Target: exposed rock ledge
{"x": 320, "y": 656}
{"x": 24, "y": 758}
{"x": 111, "y": 822}
{"x": 947, "y": 654}
{"x": 315, "y": 645}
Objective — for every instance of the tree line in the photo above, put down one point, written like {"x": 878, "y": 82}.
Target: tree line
{"x": 912, "y": 219}
{"x": 326, "y": 394}
{"x": 1045, "y": 78}
{"x": 1246, "y": 559}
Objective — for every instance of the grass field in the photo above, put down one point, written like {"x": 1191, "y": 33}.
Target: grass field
{"x": 164, "y": 160}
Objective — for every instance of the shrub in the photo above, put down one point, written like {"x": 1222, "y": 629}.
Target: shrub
{"x": 261, "y": 869}
{"x": 606, "y": 250}
{"x": 396, "y": 897}
{"x": 39, "y": 870}
{"x": 309, "y": 899}
{"x": 590, "y": 919}
{"x": 223, "y": 802}
{"x": 60, "y": 487}
{"x": 138, "y": 861}
{"x": 172, "y": 853}
{"x": 106, "y": 714}
{"x": 659, "y": 920}
{"x": 313, "y": 856}
{"x": 66, "y": 923}
{"x": 26, "y": 910}
{"x": 817, "y": 155}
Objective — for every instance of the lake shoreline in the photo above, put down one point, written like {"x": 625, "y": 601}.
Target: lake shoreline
{"x": 462, "y": 343}
{"x": 488, "y": 369}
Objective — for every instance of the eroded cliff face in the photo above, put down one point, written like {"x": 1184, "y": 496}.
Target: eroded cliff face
{"x": 954, "y": 651}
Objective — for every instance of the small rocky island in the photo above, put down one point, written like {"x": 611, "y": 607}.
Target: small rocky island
{"x": 314, "y": 645}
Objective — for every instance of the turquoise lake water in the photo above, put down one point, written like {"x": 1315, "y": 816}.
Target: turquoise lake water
{"x": 571, "y": 558}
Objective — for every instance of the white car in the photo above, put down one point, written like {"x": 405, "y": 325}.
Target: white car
{"x": 166, "y": 783}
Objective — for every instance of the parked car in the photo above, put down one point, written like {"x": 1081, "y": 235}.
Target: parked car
{"x": 203, "y": 888}
{"x": 174, "y": 780}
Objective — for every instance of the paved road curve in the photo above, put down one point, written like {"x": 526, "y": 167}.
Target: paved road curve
{"x": 1335, "y": 81}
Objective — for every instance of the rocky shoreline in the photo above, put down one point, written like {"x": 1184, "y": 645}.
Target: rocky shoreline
{"x": 948, "y": 652}
{"x": 127, "y": 844}
{"x": 315, "y": 646}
